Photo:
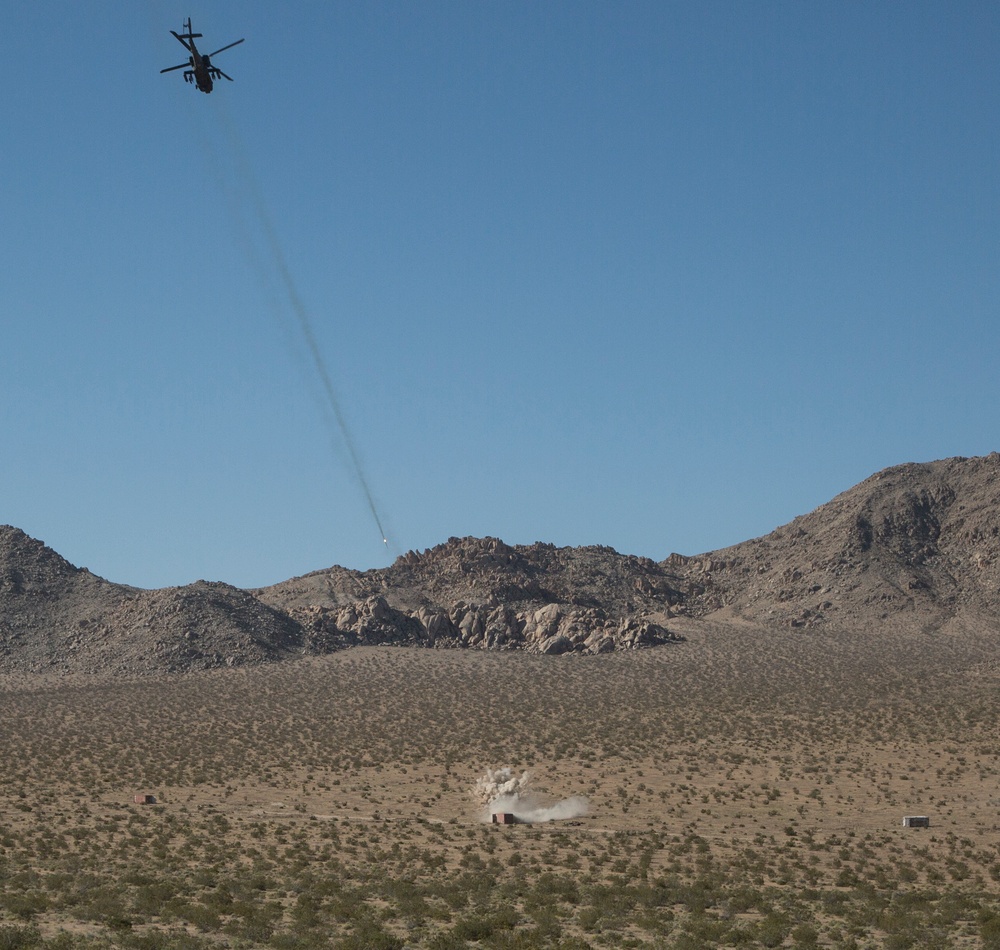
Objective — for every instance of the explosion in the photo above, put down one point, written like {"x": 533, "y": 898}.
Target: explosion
{"x": 501, "y": 783}
{"x": 503, "y": 790}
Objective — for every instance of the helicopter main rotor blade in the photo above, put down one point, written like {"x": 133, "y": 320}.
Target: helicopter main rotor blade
{"x": 182, "y": 41}
{"x": 170, "y": 69}
{"x": 221, "y": 73}
{"x": 231, "y": 45}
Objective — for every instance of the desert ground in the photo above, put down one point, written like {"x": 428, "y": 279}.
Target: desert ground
{"x": 744, "y": 788}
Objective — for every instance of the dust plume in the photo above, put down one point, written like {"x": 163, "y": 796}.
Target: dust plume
{"x": 503, "y": 790}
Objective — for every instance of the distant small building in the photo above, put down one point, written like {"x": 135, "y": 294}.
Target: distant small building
{"x": 504, "y": 818}
{"x": 916, "y": 821}
{"x": 145, "y": 799}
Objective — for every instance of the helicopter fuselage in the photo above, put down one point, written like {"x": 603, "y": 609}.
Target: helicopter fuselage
{"x": 200, "y": 72}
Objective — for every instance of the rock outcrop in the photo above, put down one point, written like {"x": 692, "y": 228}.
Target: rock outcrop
{"x": 484, "y": 594}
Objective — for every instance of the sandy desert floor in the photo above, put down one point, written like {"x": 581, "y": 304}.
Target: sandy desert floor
{"x": 744, "y": 789}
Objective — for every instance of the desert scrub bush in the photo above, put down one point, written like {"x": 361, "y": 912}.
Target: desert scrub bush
{"x": 106, "y": 905}
{"x": 148, "y": 900}
{"x": 805, "y": 935}
{"x": 989, "y": 930}
{"x": 206, "y": 919}
{"x": 772, "y": 930}
{"x": 482, "y": 926}
{"x": 24, "y": 905}
{"x": 13, "y": 937}
{"x": 370, "y": 936}
{"x": 158, "y": 940}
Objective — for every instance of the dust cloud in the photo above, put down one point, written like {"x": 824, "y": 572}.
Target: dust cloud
{"x": 504, "y": 790}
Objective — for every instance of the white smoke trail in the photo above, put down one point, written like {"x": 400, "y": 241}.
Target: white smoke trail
{"x": 504, "y": 791}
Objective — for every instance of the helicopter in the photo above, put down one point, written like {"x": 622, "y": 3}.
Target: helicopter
{"x": 200, "y": 70}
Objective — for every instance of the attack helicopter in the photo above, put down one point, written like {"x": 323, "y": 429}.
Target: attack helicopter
{"x": 199, "y": 69}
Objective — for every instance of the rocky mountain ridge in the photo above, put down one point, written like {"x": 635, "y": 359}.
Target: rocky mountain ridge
{"x": 916, "y": 544}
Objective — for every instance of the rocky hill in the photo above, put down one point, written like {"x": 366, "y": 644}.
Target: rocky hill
{"x": 54, "y": 616}
{"x": 916, "y": 545}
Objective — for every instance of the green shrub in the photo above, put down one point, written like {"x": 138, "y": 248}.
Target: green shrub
{"x": 16, "y": 938}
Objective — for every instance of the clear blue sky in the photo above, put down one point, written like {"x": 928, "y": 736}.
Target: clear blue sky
{"x": 655, "y": 275}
